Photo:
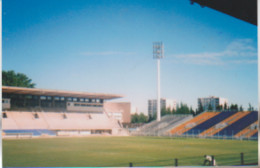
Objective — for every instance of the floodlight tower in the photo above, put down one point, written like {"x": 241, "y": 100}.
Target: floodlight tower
{"x": 158, "y": 53}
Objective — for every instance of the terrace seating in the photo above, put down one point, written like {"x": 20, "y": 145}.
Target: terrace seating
{"x": 255, "y": 135}
{"x": 28, "y": 122}
{"x": 162, "y": 127}
{"x": 25, "y": 120}
{"x": 9, "y": 123}
{"x": 193, "y": 122}
{"x": 209, "y": 123}
{"x": 248, "y": 131}
{"x": 241, "y": 124}
{"x": 220, "y": 126}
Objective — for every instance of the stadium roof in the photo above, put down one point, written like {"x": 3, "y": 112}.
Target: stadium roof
{"x": 47, "y": 92}
{"x": 245, "y": 10}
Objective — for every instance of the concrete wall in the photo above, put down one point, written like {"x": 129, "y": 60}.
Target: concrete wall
{"x": 117, "y": 109}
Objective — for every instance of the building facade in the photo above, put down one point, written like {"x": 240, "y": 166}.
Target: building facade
{"x": 120, "y": 111}
{"x": 45, "y": 100}
{"x": 212, "y": 101}
{"x": 59, "y": 113}
{"x": 165, "y": 104}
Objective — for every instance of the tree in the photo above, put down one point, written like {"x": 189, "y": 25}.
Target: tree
{"x": 139, "y": 118}
{"x": 192, "y": 111}
{"x": 152, "y": 117}
{"x": 236, "y": 107}
{"x": 134, "y": 118}
{"x": 165, "y": 111}
{"x": 182, "y": 109}
{"x": 210, "y": 108}
{"x": 219, "y": 108}
{"x": 225, "y": 106}
{"x": 173, "y": 111}
{"x": 10, "y": 78}
{"x": 200, "y": 108}
{"x": 241, "y": 108}
{"x": 143, "y": 118}
{"x": 250, "y": 108}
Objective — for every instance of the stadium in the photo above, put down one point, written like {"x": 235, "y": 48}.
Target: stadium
{"x": 39, "y": 112}
{"x": 41, "y": 117}
{"x": 60, "y": 128}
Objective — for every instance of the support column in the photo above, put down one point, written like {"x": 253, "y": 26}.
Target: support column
{"x": 158, "y": 92}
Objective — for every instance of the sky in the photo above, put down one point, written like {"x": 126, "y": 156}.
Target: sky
{"x": 105, "y": 46}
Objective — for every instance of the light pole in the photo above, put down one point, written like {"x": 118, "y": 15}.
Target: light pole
{"x": 158, "y": 53}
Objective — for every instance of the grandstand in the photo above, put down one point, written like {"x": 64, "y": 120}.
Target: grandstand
{"x": 162, "y": 127}
{"x": 41, "y": 112}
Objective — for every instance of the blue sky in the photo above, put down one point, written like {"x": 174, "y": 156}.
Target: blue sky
{"x": 106, "y": 46}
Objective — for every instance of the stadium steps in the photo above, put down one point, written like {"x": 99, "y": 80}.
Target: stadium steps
{"x": 166, "y": 126}
{"x": 255, "y": 135}
{"x": 248, "y": 131}
{"x": 197, "y": 120}
{"x": 251, "y": 133}
{"x": 239, "y": 125}
{"x": 26, "y": 120}
{"x": 220, "y": 126}
{"x": 167, "y": 129}
{"x": 159, "y": 128}
{"x": 9, "y": 122}
{"x": 209, "y": 123}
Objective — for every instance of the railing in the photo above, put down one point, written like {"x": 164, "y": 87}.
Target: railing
{"x": 231, "y": 159}
{"x": 194, "y": 135}
{"x": 18, "y": 135}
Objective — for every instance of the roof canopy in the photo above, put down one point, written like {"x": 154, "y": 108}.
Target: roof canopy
{"x": 46, "y": 92}
{"x": 242, "y": 9}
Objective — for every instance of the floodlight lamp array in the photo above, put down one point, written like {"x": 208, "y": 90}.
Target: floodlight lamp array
{"x": 158, "y": 50}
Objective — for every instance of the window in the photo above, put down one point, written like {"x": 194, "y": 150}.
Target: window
{"x": 43, "y": 97}
{"x": 93, "y": 100}
{"x": 98, "y": 100}
{"x": 69, "y": 99}
{"x": 81, "y": 99}
{"x": 57, "y": 98}
{"x": 62, "y": 98}
{"x": 75, "y": 99}
{"x": 76, "y": 104}
{"x": 28, "y": 96}
{"x": 48, "y": 97}
{"x": 86, "y": 100}
{"x": 35, "y": 97}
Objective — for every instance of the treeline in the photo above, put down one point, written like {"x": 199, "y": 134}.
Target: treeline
{"x": 11, "y": 78}
{"x": 183, "y": 108}
{"x": 232, "y": 107}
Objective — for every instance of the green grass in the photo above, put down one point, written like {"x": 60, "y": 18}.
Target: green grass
{"x": 119, "y": 151}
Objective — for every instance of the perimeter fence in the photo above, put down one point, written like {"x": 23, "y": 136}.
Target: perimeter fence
{"x": 237, "y": 159}
{"x": 197, "y": 134}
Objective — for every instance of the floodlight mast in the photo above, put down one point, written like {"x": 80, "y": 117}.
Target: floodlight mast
{"x": 158, "y": 53}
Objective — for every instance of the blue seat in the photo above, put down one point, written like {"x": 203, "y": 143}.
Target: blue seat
{"x": 255, "y": 135}
{"x": 210, "y": 122}
{"x": 34, "y": 132}
{"x": 239, "y": 125}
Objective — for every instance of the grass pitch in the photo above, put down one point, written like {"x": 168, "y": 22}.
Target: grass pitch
{"x": 120, "y": 151}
